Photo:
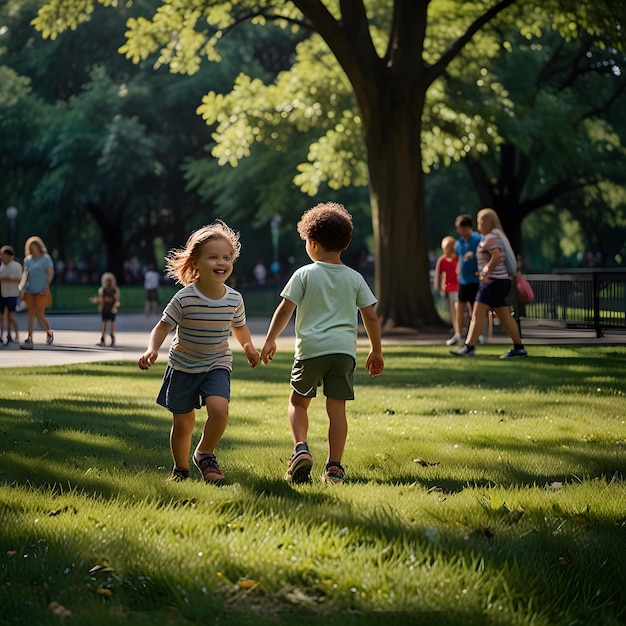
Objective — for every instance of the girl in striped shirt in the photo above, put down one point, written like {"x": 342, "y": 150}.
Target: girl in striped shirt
{"x": 203, "y": 314}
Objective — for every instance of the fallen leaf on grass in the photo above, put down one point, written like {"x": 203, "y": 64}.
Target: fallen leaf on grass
{"x": 59, "y": 610}
{"x": 425, "y": 463}
{"x": 247, "y": 583}
{"x": 103, "y": 566}
{"x": 299, "y": 598}
{"x": 516, "y": 515}
{"x": 482, "y": 531}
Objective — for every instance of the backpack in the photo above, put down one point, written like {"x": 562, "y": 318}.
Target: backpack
{"x": 510, "y": 260}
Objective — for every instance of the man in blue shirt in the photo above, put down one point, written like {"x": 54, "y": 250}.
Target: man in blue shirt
{"x": 465, "y": 249}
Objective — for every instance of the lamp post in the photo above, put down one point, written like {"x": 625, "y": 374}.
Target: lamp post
{"x": 11, "y": 217}
{"x": 275, "y": 226}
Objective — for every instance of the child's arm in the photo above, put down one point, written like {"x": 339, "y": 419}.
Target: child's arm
{"x": 116, "y": 303}
{"x": 280, "y": 319}
{"x": 375, "y": 363}
{"x": 437, "y": 276}
{"x": 157, "y": 337}
{"x": 243, "y": 336}
{"x": 97, "y": 299}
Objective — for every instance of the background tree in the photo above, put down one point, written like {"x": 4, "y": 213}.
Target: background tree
{"x": 555, "y": 132}
{"x": 392, "y": 53}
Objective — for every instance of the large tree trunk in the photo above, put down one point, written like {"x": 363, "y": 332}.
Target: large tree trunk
{"x": 397, "y": 200}
{"x": 112, "y": 230}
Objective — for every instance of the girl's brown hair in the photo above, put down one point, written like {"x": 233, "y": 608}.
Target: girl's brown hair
{"x": 179, "y": 262}
{"x": 108, "y": 276}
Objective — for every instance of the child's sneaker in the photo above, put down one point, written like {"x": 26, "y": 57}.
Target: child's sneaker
{"x": 453, "y": 340}
{"x": 333, "y": 474}
{"x": 300, "y": 464}
{"x": 515, "y": 352}
{"x": 207, "y": 464}
{"x": 178, "y": 475}
{"x": 464, "y": 351}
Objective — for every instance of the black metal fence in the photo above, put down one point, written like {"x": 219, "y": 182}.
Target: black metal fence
{"x": 592, "y": 298}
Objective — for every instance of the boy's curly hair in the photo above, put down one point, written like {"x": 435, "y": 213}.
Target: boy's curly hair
{"x": 179, "y": 263}
{"x": 329, "y": 224}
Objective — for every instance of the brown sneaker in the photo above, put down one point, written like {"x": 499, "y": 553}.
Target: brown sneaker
{"x": 333, "y": 474}
{"x": 300, "y": 464}
{"x": 207, "y": 464}
{"x": 178, "y": 475}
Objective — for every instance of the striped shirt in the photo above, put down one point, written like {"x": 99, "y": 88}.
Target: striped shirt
{"x": 203, "y": 327}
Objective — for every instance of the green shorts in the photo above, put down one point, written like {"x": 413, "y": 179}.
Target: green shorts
{"x": 334, "y": 371}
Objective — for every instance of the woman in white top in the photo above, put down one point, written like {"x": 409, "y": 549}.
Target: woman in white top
{"x": 494, "y": 287}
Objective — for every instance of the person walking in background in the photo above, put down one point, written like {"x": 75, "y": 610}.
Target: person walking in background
{"x": 151, "y": 282}
{"x": 10, "y": 276}
{"x": 203, "y": 312}
{"x": 327, "y": 295}
{"x": 108, "y": 301}
{"x": 446, "y": 282}
{"x": 465, "y": 249}
{"x": 494, "y": 287}
{"x": 260, "y": 272}
{"x": 34, "y": 287}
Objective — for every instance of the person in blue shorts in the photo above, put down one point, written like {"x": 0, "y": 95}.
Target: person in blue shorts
{"x": 203, "y": 312}
{"x": 10, "y": 276}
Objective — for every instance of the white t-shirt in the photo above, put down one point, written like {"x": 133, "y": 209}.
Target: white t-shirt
{"x": 327, "y": 297}
{"x": 11, "y": 270}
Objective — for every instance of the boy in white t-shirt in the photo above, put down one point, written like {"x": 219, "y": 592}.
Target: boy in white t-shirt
{"x": 10, "y": 276}
{"x": 327, "y": 295}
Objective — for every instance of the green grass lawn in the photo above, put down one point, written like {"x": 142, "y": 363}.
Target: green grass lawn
{"x": 479, "y": 491}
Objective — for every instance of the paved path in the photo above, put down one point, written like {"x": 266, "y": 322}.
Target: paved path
{"x": 75, "y": 338}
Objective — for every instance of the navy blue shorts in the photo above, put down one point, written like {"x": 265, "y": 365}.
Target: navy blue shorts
{"x": 467, "y": 293}
{"x": 10, "y": 303}
{"x": 494, "y": 292}
{"x": 182, "y": 392}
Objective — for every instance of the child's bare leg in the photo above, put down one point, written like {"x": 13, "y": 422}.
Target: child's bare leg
{"x": 215, "y": 425}
{"x": 13, "y": 324}
{"x": 460, "y": 316}
{"x": 337, "y": 428}
{"x": 180, "y": 438}
{"x": 452, "y": 315}
{"x": 298, "y": 416}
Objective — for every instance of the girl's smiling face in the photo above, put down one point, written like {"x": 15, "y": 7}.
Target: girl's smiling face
{"x": 215, "y": 261}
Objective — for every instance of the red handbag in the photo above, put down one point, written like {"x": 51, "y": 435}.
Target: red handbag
{"x": 525, "y": 293}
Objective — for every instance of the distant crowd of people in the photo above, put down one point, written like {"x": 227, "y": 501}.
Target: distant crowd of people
{"x": 474, "y": 273}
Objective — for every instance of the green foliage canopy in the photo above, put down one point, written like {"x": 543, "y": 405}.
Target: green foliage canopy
{"x": 392, "y": 54}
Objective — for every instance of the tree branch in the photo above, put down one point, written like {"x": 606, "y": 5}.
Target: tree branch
{"x": 448, "y": 56}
